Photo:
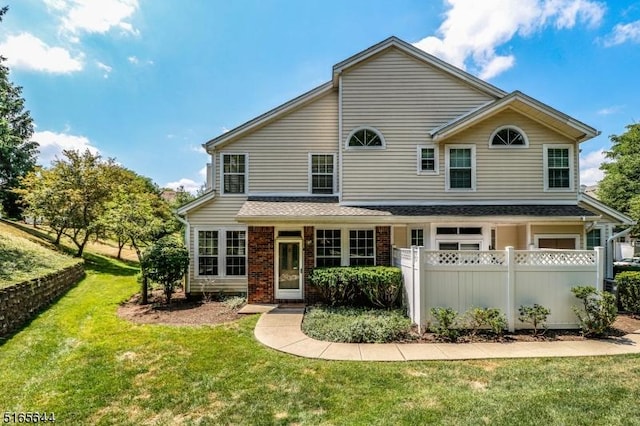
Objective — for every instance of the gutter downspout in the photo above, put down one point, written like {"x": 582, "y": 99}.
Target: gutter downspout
{"x": 187, "y": 233}
{"x": 610, "y": 250}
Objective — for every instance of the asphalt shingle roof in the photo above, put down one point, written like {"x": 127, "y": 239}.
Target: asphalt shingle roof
{"x": 329, "y": 206}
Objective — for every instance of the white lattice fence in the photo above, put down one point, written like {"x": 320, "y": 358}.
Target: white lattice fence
{"x": 498, "y": 279}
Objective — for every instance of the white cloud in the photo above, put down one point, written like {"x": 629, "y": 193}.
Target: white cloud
{"x": 52, "y": 144}
{"x": 29, "y": 52}
{"x": 609, "y": 110}
{"x": 622, "y": 33}
{"x": 590, "y": 162}
{"x": 472, "y": 30}
{"x": 203, "y": 172}
{"x": 134, "y": 60}
{"x": 198, "y": 148}
{"x": 104, "y": 67}
{"x": 93, "y": 16}
{"x": 188, "y": 184}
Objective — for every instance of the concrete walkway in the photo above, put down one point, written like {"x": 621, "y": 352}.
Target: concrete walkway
{"x": 280, "y": 329}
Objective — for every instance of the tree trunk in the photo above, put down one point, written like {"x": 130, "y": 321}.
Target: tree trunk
{"x": 120, "y": 246}
{"x": 145, "y": 282}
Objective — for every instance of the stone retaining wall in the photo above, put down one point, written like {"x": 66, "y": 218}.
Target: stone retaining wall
{"x": 21, "y": 302}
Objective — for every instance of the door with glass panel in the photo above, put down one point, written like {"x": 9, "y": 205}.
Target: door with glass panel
{"x": 289, "y": 270}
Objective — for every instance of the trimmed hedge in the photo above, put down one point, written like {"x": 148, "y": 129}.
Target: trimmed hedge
{"x": 629, "y": 291}
{"x": 344, "y": 285}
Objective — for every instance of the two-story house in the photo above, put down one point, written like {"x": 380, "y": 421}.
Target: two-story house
{"x": 399, "y": 148}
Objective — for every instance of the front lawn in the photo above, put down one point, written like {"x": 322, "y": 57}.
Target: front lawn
{"x": 82, "y": 362}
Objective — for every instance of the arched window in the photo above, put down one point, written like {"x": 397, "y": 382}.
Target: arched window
{"x": 365, "y": 137}
{"x": 508, "y": 137}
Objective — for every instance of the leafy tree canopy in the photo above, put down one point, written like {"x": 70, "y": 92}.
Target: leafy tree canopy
{"x": 620, "y": 187}
{"x": 17, "y": 152}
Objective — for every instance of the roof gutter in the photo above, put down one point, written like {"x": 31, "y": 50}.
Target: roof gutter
{"x": 187, "y": 233}
{"x": 610, "y": 249}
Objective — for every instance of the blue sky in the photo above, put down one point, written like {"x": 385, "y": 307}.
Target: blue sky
{"x": 149, "y": 81}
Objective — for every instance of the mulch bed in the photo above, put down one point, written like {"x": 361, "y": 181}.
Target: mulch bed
{"x": 182, "y": 311}
{"x": 185, "y": 311}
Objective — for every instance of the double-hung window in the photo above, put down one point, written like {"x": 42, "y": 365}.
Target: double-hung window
{"x": 362, "y": 247}
{"x": 328, "y": 247}
{"x": 427, "y": 159}
{"x": 221, "y": 252}
{"x": 594, "y": 238}
{"x": 207, "y": 252}
{"x": 322, "y": 173}
{"x": 460, "y": 162}
{"x": 558, "y": 167}
{"x": 234, "y": 173}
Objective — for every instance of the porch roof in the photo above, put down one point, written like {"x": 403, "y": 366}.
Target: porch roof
{"x": 328, "y": 209}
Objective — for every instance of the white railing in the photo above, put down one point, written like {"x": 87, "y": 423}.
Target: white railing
{"x": 504, "y": 279}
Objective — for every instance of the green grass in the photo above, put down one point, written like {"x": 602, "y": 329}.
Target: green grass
{"x": 79, "y": 360}
{"x": 22, "y": 258}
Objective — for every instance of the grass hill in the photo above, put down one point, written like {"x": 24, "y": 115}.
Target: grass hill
{"x": 24, "y": 256}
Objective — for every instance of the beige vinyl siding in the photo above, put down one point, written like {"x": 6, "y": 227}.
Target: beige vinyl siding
{"x": 219, "y": 212}
{"x": 404, "y": 99}
{"x": 557, "y": 229}
{"x": 279, "y": 151}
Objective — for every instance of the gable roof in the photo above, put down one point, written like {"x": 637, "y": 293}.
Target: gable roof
{"x": 421, "y": 55}
{"x": 391, "y": 42}
{"x": 269, "y": 116}
{"x": 197, "y": 202}
{"x": 532, "y": 108}
{"x": 598, "y": 206}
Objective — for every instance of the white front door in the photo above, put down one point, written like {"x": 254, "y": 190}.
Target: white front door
{"x": 289, "y": 270}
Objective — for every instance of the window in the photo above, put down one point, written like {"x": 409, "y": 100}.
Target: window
{"x": 236, "y": 253}
{"x": 322, "y": 177}
{"x": 417, "y": 237}
{"x": 361, "y": 248}
{"x": 207, "y": 252}
{"x": 221, "y": 252}
{"x": 594, "y": 239}
{"x": 427, "y": 159}
{"x": 468, "y": 230}
{"x": 558, "y": 171}
{"x": 328, "y": 253}
{"x": 234, "y": 173}
{"x": 460, "y": 163}
{"x": 365, "y": 137}
{"x": 462, "y": 246}
{"x": 508, "y": 137}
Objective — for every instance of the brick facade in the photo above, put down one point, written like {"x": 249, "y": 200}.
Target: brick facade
{"x": 383, "y": 245}
{"x": 311, "y": 293}
{"x": 261, "y": 261}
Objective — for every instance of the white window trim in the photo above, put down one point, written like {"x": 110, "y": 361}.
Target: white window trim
{"x": 357, "y": 129}
{"x": 436, "y": 169}
{"x": 447, "y": 150}
{"x": 310, "y": 174}
{"x": 416, "y": 228}
{"x": 222, "y": 250}
{"x": 246, "y": 174}
{"x": 345, "y": 247}
{"x": 538, "y": 237}
{"x": 545, "y": 159}
{"x": 484, "y": 237}
{"x": 600, "y": 229}
{"x": 516, "y": 128}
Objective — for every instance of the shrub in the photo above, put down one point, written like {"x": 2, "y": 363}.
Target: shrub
{"x": 598, "y": 310}
{"x": 536, "y": 315}
{"x": 381, "y": 285}
{"x": 446, "y": 327}
{"x": 234, "y": 302}
{"x": 485, "y": 318}
{"x": 166, "y": 261}
{"x": 356, "y": 325}
{"x": 629, "y": 291}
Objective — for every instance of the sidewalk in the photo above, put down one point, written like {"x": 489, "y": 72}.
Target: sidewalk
{"x": 280, "y": 330}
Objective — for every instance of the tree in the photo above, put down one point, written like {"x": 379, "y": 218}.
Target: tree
{"x": 72, "y": 195}
{"x": 166, "y": 261}
{"x": 621, "y": 182}
{"x": 136, "y": 214}
{"x": 17, "y": 152}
